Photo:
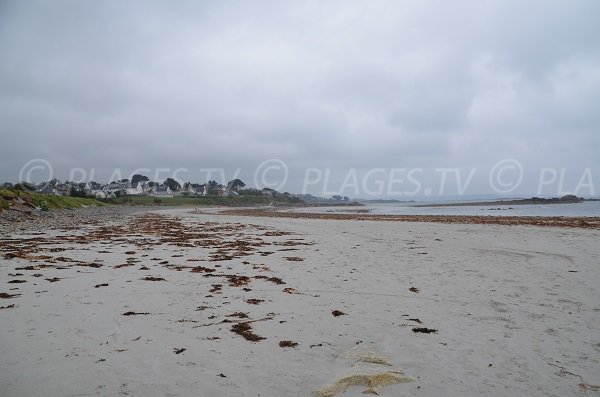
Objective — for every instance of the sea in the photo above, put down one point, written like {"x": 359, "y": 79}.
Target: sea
{"x": 582, "y": 209}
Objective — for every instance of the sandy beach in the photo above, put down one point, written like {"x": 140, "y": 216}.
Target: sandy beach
{"x": 181, "y": 303}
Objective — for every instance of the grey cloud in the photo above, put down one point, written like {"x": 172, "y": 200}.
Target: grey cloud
{"x": 328, "y": 84}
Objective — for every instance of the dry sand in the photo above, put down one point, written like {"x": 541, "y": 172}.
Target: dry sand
{"x": 516, "y": 308}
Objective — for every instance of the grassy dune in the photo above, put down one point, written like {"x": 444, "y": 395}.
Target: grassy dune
{"x": 44, "y": 201}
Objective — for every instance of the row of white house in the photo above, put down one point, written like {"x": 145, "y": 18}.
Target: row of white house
{"x": 114, "y": 189}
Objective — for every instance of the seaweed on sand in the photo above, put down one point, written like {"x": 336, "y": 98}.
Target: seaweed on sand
{"x": 245, "y": 330}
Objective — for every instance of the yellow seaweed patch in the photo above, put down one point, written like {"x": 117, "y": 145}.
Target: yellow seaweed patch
{"x": 368, "y": 370}
{"x": 374, "y": 382}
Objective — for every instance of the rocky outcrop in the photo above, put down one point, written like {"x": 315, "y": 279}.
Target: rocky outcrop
{"x": 570, "y": 198}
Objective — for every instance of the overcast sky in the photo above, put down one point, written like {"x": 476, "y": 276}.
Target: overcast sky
{"x": 320, "y": 84}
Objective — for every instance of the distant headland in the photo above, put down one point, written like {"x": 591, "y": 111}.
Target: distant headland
{"x": 568, "y": 199}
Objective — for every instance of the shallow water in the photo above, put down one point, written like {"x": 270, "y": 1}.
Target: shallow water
{"x": 587, "y": 208}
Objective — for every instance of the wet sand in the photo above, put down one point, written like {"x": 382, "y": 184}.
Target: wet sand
{"x": 555, "y": 221}
{"x": 182, "y": 303}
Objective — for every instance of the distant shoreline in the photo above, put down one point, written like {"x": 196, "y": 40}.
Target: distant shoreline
{"x": 529, "y": 201}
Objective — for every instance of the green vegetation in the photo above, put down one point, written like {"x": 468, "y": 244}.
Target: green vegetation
{"x": 44, "y": 201}
{"x": 235, "y": 201}
{"x": 3, "y": 204}
{"x": 8, "y": 194}
{"x": 172, "y": 184}
{"x": 53, "y": 201}
{"x": 43, "y": 205}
